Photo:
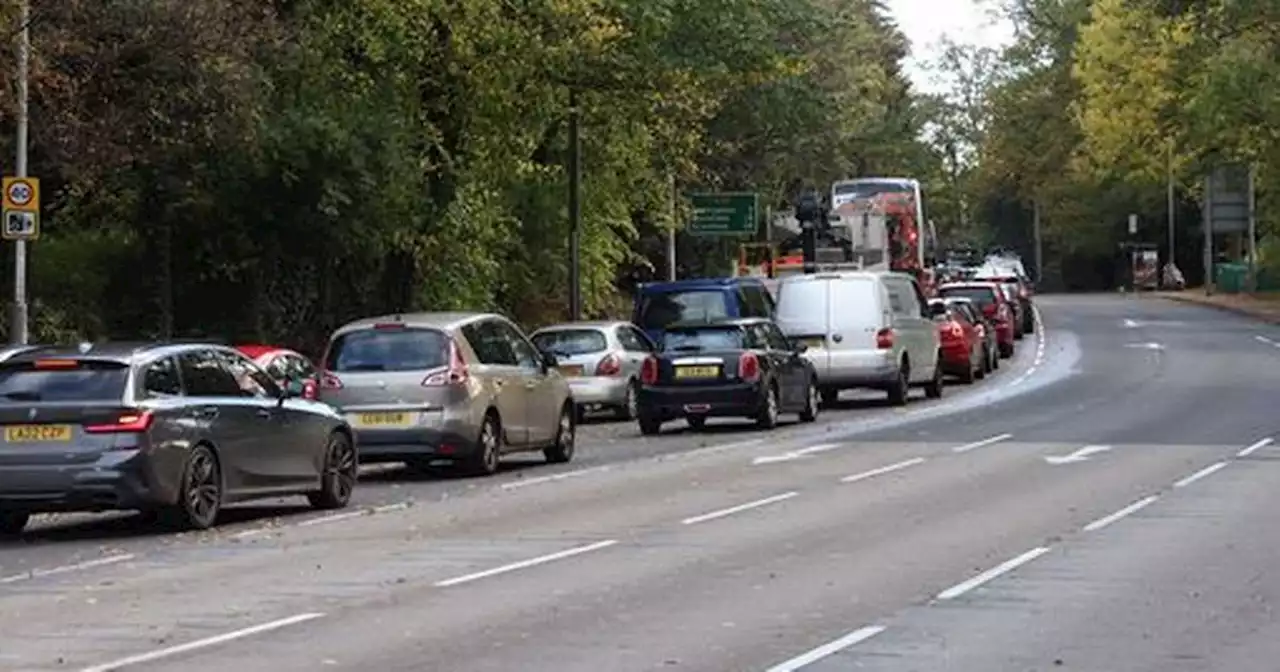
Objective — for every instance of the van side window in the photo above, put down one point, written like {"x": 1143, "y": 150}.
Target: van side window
{"x": 911, "y": 300}
{"x": 895, "y": 298}
{"x": 921, "y": 301}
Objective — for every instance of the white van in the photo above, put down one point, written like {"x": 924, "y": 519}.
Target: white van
{"x": 863, "y": 329}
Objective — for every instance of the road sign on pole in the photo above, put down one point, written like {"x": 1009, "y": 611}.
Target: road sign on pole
{"x": 728, "y": 214}
{"x": 21, "y": 211}
{"x": 1229, "y": 198}
{"x": 1133, "y": 225}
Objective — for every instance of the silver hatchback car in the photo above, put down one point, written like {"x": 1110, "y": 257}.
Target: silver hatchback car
{"x": 602, "y": 361}
{"x": 463, "y": 387}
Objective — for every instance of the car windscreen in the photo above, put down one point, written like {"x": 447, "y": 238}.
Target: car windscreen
{"x": 63, "y": 380}
{"x": 979, "y": 295}
{"x": 388, "y": 349}
{"x": 658, "y": 310}
{"x": 711, "y": 338}
{"x": 571, "y": 342}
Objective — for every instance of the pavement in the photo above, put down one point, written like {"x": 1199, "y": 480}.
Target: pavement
{"x": 1107, "y": 501}
{"x": 1262, "y": 305}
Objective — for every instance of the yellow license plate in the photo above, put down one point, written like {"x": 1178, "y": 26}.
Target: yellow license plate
{"x": 697, "y": 372}
{"x": 571, "y": 370}
{"x": 814, "y": 342}
{"x": 32, "y": 433}
{"x": 383, "y": 419}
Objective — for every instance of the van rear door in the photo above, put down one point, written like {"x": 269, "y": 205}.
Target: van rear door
{"x": 804, "y": 314}
{"x": 857, "y": 313}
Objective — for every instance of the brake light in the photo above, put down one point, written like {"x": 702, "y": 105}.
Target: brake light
{"x": 388, "y": 325}
{"x": 131, "y": 422}
{"x": 328, "y": 381}
{"x": 884, "y": 339}
{"x": 611, "y": 365}
{"x": 456, "y": 374}
{"x": 45, "y": 364}
{"x": 956, "y": 330}
{"x": 749, "y": 367}
{"x": 649, "y": 371}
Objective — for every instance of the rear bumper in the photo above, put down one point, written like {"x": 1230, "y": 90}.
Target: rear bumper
{"x": 1005, "y": 333}
{"x": 736, "y": 400}
{"x": 608, "y": 390}
{"x": 120, "y": 483}
{"x": 442, "y": 434}
{"x": 855, "y": 368}
{"x": 956, "y": 357}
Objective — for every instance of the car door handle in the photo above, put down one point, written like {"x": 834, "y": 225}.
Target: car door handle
{"x": 207, "y": 412}
{"x": 530, "y": 384}
{"x": 264, "y": 413}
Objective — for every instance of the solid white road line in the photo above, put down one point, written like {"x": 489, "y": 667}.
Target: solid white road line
{"x": 882, "y": 470}
{"x": 1132, "y": 508}
{"x": 201, "y": 643}
{"x": 795, "y": 454}
{"x": 1199, "y": 475}
{"x": 979, "y": 444}
{"x": 811, "y": 657}
{"x": 1003, "y": 568}
{"x": 820, "y": 448}
{"x": 67, "y": 569}
{"x": 524, "y": 564}
{"x": 739, "y": 508}
{"x": 1255, "y": 447}
{"x": 524, "y": 482}
{"x": 1264, "y": 339}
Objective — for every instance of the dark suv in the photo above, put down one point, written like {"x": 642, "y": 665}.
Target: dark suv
{"x": 176, "y": 429}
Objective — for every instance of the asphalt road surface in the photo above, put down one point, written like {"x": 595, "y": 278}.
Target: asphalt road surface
{"x": 1108, "y": 501}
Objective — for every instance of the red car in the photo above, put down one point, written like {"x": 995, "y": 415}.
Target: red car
{"x": 963, "y": 346}
{"x": 284, "y": 365}
{"x": 995, "y": 307}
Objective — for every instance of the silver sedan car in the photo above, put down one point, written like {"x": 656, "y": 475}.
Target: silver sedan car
{"x": 602, "y": 361}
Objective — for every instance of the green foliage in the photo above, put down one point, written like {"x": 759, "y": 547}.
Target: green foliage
{"x": 269, "y": 170}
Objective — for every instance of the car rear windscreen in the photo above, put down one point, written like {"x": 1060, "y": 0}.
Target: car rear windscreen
{"x": 397, "y": 349}
{"x": 659, "y": 310}
{"x": 693, "y": 340}
{"x": 979, "y": 295}
{"x": 63, "y": 380}
{"x": 571, "y": 342}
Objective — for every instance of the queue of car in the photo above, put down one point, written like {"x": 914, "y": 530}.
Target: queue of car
{"x": 179, "y": 430}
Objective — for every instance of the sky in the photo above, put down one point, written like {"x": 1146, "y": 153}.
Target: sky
{"x": 927, "y": 21}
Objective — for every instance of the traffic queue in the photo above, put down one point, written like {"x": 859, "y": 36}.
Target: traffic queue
{"x": 178, "y": 430}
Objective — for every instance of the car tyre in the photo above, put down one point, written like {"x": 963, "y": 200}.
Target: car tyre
{"x": 649, "y": 425}
{"x": 630, "y": 403}
{"x": 830, "y": 397}
{"x": 13, "y": 522}
{"x": 488, "y": 453}
{"x": 933, "y": 388}
{"x": 767, "y": 415}
{"x": 969, "y": 375}
{"x": 341, "y": 470}
{"x": 696, "y": 422}
{"x": 1006, "y": 350}
{"x": 984, "y": 365}
{"x": 899, "y": 389}
{"x": 812, "y": 403}
{"x": 200, "y": 496}
{"x": 566, "y": 438}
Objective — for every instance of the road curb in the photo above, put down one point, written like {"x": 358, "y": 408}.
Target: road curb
{"x": 1235, "y": 310}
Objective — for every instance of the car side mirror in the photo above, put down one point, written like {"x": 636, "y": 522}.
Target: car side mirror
{"x": 549, "y": 359}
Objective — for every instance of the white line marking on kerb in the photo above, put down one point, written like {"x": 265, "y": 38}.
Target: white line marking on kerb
{"x": 811, "y": 657}
{"x": 739, "y": 508}
{"x": 979, "y": 444}
{"x": 201, "y": 643}
{"x": 524, "y": 564}
{"x": 552, "y": 478}
{"x": 1255, "y": 447}
{"x": 1199, "y": 475}
{"x": 882, "y": 470}
{"x": 1132, "y": 508}
{"x": 1003, "y": 568}
{"x": 1264, "y": 339}
{"x": 67, "y": 569}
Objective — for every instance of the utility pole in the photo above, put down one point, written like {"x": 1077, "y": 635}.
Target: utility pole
{"x": 1253, "y": 232}
{"x": 575, "y": 208}
{"x": 1207, "y": 259}
{"x": 671, "y": 231}
{"x": 18, "y": 319}
{"x": 1170, "y": 204}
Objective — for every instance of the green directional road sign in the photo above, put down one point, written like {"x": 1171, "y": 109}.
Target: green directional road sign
{"x": 724, "y": 214}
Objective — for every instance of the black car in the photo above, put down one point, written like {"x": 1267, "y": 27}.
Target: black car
{"x": 175, "y": 429}
{"x": 730, "y": 368}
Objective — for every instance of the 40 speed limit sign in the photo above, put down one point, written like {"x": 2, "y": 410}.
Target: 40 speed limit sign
{"x": 21, "y": 212}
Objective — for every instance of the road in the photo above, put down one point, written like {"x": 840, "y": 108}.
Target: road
{"x": 1108, "y": 501}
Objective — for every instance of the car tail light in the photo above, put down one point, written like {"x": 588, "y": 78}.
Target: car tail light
{"x": 611, "y": 365}
{"x": 989, "y": 310}
{"x": 384, "y": 326}
{"x": 456, "y": 374}
{"x": 328, "y": 381}
{"x": 749, "y": 367}
{"x": 129, "y": 422}
{"x": 955, "y": 330}
{"x": 649, "y": 371}
{"x": 884, "y": 339}
{"x": 46, "y": 364}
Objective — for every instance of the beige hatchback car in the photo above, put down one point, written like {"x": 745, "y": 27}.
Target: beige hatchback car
{"x": 463, "y": 387}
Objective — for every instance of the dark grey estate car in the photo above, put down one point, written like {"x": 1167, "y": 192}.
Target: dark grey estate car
{"x": 176, "y": 429}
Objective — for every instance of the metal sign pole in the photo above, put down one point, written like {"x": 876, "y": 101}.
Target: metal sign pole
{"x": 18, "y": 319}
